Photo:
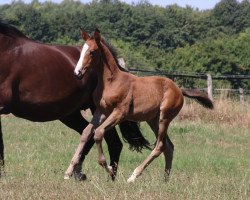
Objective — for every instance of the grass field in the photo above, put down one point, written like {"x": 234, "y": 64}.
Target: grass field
{"x": 211, "y": 160}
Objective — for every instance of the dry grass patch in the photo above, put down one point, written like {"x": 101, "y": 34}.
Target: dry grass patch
{"x": 226, "y": 112}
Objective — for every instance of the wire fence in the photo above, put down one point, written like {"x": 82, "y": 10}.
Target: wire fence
{"x": 209, "y": 78}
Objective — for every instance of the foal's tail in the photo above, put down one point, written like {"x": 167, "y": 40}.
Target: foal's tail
{"x": 201, "y": 97}
{"x": 131, "y": 134}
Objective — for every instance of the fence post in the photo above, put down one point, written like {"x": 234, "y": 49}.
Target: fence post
{"x": 209, "y": 86}
{"x": 241, "y": 95}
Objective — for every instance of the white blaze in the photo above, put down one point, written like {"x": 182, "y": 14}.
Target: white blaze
{"x": 79, "y": 66}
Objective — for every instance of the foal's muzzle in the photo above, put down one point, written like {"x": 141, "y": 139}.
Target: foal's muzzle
{"x": 79, "y": 74}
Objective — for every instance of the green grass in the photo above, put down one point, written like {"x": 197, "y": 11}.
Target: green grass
{"x": 211, "y": 161}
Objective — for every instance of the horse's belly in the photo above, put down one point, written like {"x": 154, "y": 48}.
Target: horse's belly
{"x": 47, "y": 110}
{"x": 143, "y": 113}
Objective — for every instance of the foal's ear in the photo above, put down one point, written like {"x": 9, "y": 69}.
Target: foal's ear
{"x": 84, "y": 34}
{"x": 97, "y": 36}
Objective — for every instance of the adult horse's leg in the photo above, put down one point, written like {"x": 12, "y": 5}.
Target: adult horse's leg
{"x": 168, "y": 154}
{"x": 1, "y": 150}
{"x": 114, "y": 147}
{"x": 78, "y": 123}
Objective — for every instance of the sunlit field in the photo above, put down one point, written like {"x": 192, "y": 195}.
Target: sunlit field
{"x": 211, "y": 160}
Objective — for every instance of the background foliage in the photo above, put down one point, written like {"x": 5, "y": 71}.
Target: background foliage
{"x": 173, "y": 38}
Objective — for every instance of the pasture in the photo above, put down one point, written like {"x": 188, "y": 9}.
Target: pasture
{"x": 211, "y": 160}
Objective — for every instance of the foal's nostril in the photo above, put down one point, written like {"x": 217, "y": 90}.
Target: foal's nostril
{"x": 79, "y": 74}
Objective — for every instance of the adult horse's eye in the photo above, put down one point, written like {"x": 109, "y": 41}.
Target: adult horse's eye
{"x": 91, "y": 53}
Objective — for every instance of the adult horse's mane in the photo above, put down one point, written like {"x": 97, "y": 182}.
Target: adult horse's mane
{"x": 10, "y": 30}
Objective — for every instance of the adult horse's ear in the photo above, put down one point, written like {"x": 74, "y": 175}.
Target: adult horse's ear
{"x": 84, "y": 34}
{"x": 97, "y": 36}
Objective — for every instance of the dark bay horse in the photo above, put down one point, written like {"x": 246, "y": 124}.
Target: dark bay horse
{"x": 37, "y": 83}
{"x": 122, "y": 96}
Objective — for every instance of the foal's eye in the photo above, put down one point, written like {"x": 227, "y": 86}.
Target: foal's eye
{"x": 91, "y": 53}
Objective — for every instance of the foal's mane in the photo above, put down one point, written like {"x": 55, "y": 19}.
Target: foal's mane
{"x": 114, "y": 53}
{"x": 10, "y": 30}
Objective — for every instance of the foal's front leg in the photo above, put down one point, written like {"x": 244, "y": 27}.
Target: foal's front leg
{"x": 98, "y": 118}
{"x": 114, "y": 118}
{"x": 75, "y": 162}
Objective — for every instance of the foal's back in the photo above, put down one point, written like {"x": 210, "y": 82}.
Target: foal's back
{"x": 151, "y": 94}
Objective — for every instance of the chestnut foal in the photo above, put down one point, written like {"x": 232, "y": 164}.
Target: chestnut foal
{"x": 122, "y": 96}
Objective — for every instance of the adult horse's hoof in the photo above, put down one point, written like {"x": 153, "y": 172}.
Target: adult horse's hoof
{"x": 167, "y": 175}
{"x": 79, "y": 176}
{"x": 114, "y": 171}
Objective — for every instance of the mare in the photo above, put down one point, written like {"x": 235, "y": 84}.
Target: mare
{"x": 122, "y": 96}
{"x": 37, "y": 83}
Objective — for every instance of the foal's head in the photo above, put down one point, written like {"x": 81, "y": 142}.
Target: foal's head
{"x": 90, "y": 54}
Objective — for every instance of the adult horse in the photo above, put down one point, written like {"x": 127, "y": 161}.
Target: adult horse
{"x": 121, "y": 96}
{"x": 37, "y": 83}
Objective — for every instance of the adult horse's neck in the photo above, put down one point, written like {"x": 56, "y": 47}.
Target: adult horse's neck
{"x": 109, "y": 67}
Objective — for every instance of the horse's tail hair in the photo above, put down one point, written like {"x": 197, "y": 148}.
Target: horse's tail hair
{"x": 131, "y": 134}
{"x": 201, "y": 97}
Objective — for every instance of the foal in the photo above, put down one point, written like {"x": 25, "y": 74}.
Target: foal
{"x": 122, "y": 96}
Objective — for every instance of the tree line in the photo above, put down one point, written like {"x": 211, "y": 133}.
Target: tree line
{"x": 215, "y": 41}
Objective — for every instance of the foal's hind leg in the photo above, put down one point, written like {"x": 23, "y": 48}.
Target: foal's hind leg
{"x": 168, "y": 150}
{"x": 159, "y": 148}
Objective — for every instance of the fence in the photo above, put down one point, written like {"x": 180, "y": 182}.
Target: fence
{"x": 209, "y": 78}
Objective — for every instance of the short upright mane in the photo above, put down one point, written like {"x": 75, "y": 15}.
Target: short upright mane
{"x": 114, "y": 54}
{"x": 10, "y": 30}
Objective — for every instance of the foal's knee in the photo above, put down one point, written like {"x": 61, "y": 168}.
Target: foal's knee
{"x": 102, "y": 161}
{"x": 99, "y": 133}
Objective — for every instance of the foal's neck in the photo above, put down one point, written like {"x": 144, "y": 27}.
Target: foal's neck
{"x": 110, "y": 69}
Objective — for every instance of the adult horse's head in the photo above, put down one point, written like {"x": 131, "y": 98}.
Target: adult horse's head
{"x": 89, "y": 54}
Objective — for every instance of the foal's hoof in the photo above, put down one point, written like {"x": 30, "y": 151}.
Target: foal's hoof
{"x": 113, "y": 169}
{"x": 66, "y": 176}
{"x": 132, "y": 178}
{"x": 113, "y": 176}
{"x": 79, "y": 176}
{"x": 111, "y": 172}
